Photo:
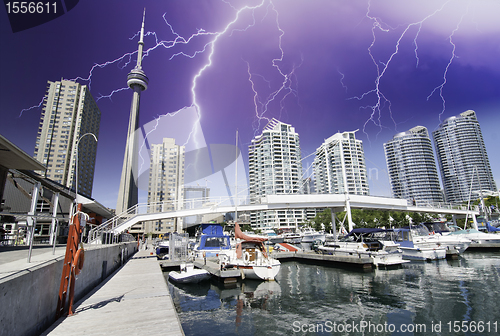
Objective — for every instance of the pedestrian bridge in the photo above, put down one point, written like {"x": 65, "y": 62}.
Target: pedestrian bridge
{"x": 337, "y": 202}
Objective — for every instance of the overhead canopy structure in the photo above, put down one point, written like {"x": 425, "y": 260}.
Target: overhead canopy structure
{"x": 12, "y": 157}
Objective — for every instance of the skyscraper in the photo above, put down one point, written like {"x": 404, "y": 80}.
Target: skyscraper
{"x": 128, "y": 193}
{"x": 166, "y": 180}
{"x": 412, "y": 167}
{"x": 339, "y": 166}
{"x": 461, "y": 155}
{"x": 69, "y": 113}
{"x": 274, "y": 167}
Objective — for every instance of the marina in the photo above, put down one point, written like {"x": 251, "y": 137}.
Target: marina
{"x": 312, "y": 299}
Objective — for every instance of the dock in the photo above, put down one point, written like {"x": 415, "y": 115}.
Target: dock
{"x": 211, "y": 265}
{"x": 484, "y": 247}
{"x": 135, "y": 300}
{"x": 355, "y": 260}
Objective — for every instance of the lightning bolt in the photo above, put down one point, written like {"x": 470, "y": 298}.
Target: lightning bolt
{"x": 450, "y": 61}
{"x": 381, "y": 100}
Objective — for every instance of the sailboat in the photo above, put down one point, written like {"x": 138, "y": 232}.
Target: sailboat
{"x": 250, "y": 257}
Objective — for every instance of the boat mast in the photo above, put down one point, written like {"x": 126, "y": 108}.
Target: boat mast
{"x": 236, "y": 183}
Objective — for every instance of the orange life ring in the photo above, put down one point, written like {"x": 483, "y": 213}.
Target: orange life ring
{"x": 78, "y": 260}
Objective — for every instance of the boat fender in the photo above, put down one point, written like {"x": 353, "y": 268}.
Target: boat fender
{"x": 246, "y": 256}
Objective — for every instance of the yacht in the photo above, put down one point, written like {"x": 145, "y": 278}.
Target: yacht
{"x": 375, "y": 244}
{"x": 454, "y": 245}
{"x": 417, "y": 249}
{"x": 210, "y": 241}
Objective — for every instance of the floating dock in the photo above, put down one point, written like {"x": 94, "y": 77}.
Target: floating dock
{"x": 212, "y": 266}
{"x": 484, "y": 247}
{"x": 354, "y": 260}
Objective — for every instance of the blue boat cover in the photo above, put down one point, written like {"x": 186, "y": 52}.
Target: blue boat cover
{"x": 212, "y": 229}
{"x": 491, "y": 228}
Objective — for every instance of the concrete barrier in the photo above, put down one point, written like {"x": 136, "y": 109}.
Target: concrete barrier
{"x": 28, "y": 299}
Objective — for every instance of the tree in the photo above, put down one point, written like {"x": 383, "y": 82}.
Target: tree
{"x": 324, "y": 218}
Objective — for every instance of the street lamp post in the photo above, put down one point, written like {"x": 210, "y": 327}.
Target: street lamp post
{"x": 76, "y": 161}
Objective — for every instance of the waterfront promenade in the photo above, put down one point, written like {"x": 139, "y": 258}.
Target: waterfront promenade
{"x": 133, "y": 301}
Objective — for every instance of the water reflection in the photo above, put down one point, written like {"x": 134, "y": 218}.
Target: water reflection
{"x": 309, "y": 299}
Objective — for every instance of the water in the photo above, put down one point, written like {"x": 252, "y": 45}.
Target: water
{"x": 414, "y": 299}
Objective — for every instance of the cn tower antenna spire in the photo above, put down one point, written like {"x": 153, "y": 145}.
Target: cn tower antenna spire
{"x": 138, "y": 82}
{"x": 141, "y": 42}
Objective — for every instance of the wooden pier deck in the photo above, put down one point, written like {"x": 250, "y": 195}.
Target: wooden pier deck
{"x": 135, "y": 300}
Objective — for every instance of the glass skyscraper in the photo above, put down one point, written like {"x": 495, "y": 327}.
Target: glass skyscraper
{"x": 339, "y": 166}
{"x": 412, "y": 167}
{"x": 462, "y": 157}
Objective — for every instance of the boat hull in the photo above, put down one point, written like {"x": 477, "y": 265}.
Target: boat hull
{"x": 193, "y": 276}
{"x": 419, "y": 253}
{"x": 260, "y": 272}
{"x": 379, "y": 258}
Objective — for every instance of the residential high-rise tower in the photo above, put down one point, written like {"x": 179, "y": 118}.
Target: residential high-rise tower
{"x": 461, "y": 154}
{"x": 339, "y": 166}
{"x": 166, "y": 181}
{"x": 275, "y": 167}
{"x": 412, "y": 167}
{"x": 69, "y": 114}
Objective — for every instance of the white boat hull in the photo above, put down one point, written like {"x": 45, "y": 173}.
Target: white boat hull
{"x": 189, "y": 275}
{"x": 260, "y": 272}
{"x": 423, "y": 253}
{"x": 392, "y": 256}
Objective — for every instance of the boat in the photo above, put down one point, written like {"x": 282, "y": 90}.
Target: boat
{"x": 474, "y": 235}
{"x": 210, "y": 241}
{"x": 273, "y": 238}
{"x": 189, "y": 274}
{"x": 310, "y": 236}
{"x": 162, "y": 249}
{"x": 416, "y": 249}
{"x": 454, "y": 245}
{"x": 292, "y": 238}
{"x": 375, "y": 244}
{"x": 250, "y": 257}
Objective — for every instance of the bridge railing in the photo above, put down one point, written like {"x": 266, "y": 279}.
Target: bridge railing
{"x": 106, "y": 232}
{"x": 441, "y": 205}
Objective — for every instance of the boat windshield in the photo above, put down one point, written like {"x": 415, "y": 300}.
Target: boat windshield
{"x": 438, "y": 227}
{"x": 217, "y": 242}
{"x": 419, "y": 230}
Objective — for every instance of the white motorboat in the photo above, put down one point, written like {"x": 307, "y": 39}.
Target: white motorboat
{"x": 368, "y": 243}
{"x": 309, "y": 235}
{"x": 474, "y": 235}
{"x": 417, "y": 250}
{"x": 162, "y": 249}
{"x": 454, "y": 245}
{"x": 250, "y": 257}
{"x": 210, "y": 241}
{"x": 189, "y": 274}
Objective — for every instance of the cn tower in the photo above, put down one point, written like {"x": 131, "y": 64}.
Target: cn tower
{"x": 138, "y": 82}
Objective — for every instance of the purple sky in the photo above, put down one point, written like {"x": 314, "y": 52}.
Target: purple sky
{"x": 315, "y": 64}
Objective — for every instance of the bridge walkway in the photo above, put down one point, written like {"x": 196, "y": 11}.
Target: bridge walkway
{"x": 135, "y": 300}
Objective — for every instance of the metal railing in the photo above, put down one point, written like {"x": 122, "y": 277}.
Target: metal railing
{"x": 109, "y": 232}
{"x": 106, "y": 233}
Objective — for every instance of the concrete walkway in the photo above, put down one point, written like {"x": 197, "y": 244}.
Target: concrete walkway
{"x": 133, "y": 301}
{"x": 14, "y": 260}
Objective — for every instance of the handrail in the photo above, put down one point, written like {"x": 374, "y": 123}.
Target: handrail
{"x": 106, "y": 232}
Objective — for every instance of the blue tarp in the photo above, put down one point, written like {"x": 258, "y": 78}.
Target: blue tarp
{"x": 491, "y": 228}
{"x": 212, "y": 229}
